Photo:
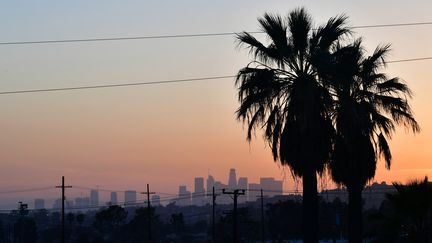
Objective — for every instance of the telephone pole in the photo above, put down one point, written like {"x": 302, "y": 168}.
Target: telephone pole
{"x": 148, "y": 212}
{"x": 262, "y": 217}
{"x": 235, "y": 194}
{"x": 213, "y": 214}
{"x": 62, "y": 186}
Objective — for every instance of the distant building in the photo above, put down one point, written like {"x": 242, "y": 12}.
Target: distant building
{"x": 94, "y": 197}
{"x": 184, "y": 196}
{"x": 113, "y": 198}
{"x": 243, "y": 184}
{"x": 39, "y": 204}
{"x": 271, "y": 187}
{"x": 130, "y": 197}
{"x": 82, "y": 202}
{"x": 57, "y": 204}
{"x": 254, "y": 191}
{"x": 198, "y": 197}
{"x": 372, "y": 195}
{"x": 210, "y": 184}
{"x": 155, "y": 200}
{"x": 69, "y": 204}
{"x": 199, "y": 185}
{"x": 232, "y": 179}
{"x": 222, "y": 198}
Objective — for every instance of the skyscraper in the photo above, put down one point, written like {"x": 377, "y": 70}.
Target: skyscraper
{"x": 254, "y": 192}
{"x": 222, "y": 198}
{"x": 198, "y": 196}
{"x": 94, "y": 197}
{"x": 184, "y": 196}
{"x": 271, "y": 187}
{"x": 130, "y": 197}
{"x": 210, "y": 184}
{"x": 113, "y": 198}
{"x": 39, "y": 203}
{"x": 199, "y": 185}
{"x": 232, "y": 180}
{"x": 243, "y": 184}
{"x": 82, "y": 201}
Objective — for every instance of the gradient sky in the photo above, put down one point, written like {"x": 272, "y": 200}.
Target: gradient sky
{"x": 165, "y": 135}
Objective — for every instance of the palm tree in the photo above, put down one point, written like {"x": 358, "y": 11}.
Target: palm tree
{"x": 281, "y": 92}
{"x": 413, "y": 205}
{"x": 368, "y": 106}
{"x": 406, "y": 215}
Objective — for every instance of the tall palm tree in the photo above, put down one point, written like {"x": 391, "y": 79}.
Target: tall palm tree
{"x": 281, "y": 92}
{"x": 368, "y": 106}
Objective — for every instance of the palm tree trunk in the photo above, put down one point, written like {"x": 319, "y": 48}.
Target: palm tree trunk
{"x": 355, "y": 219}
{"x": 310, "y": 207}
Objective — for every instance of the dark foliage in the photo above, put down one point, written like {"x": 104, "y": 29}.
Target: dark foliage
{"x": 283, "y": 93}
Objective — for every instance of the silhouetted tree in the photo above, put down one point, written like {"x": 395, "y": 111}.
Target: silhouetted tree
{"x": 138, "y": 226}
{"x": 25, "y": 230}
{"x": 177, "y": 222}
{"x": 80, "y": 218}
{"x": 413, "y": 204}
{"x": 282, "y": 92}
{"x": 108, "y": 221}
{"x": 70, "y": 217}
{"x": 112, "y": 216}
{"x": 368, "y": 106}
{"x": 2, "y": 233}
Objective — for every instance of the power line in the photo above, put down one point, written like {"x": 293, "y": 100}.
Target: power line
{"x": 117, "y": 85}
{"x": 160, "y": 82}
{"x": 411, "y": 60}
{"x": 391, "y": 25}
{"x": 186, "y": 35}
{"x": 27, "y": 190}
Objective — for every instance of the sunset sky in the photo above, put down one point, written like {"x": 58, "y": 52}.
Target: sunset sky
{"x": 165, "y": 135}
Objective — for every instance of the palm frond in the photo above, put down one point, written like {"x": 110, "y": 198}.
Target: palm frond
{"x": 376, "y": 60}
{"x": 384, "y": 150}
{"x": 258, "y": 50}
{"x": 393, "y": 85}
{"x": 406, "y": 118}
{"x": 256, "y": 119}
{"x": 334, "y": 30}
{"x": 299, "y": 25}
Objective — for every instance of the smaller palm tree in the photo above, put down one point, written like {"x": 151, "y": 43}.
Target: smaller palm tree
{"x": 368, "y": 106}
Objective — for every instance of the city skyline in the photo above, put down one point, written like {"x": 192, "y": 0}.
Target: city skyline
{"x": 103, "y": 137}
{"x": 105, "y": 196}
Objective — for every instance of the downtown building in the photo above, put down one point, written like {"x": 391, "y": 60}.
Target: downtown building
{"x": 130, "y": 198}
{"x": 199, "y": 194}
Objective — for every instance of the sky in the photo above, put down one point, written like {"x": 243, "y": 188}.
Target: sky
{"x": 165, "y": 135}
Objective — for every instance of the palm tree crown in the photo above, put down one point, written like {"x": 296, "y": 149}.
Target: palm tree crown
{"x": 368, "y": 106}
{"x": 281, "y": 92}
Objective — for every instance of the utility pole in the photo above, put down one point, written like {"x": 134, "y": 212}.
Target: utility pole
{"x": 235, "y": 194}
{"x": 213, "y": 215}
{"x": 148, "y": 212}
{"x": 63, "y": 208}
{"x": 262, "y": 217}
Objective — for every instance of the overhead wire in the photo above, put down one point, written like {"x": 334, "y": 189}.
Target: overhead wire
{"x": 170, "y": 81}
{"x": 27, "y": 190}
{"x": 124, "y": 38}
